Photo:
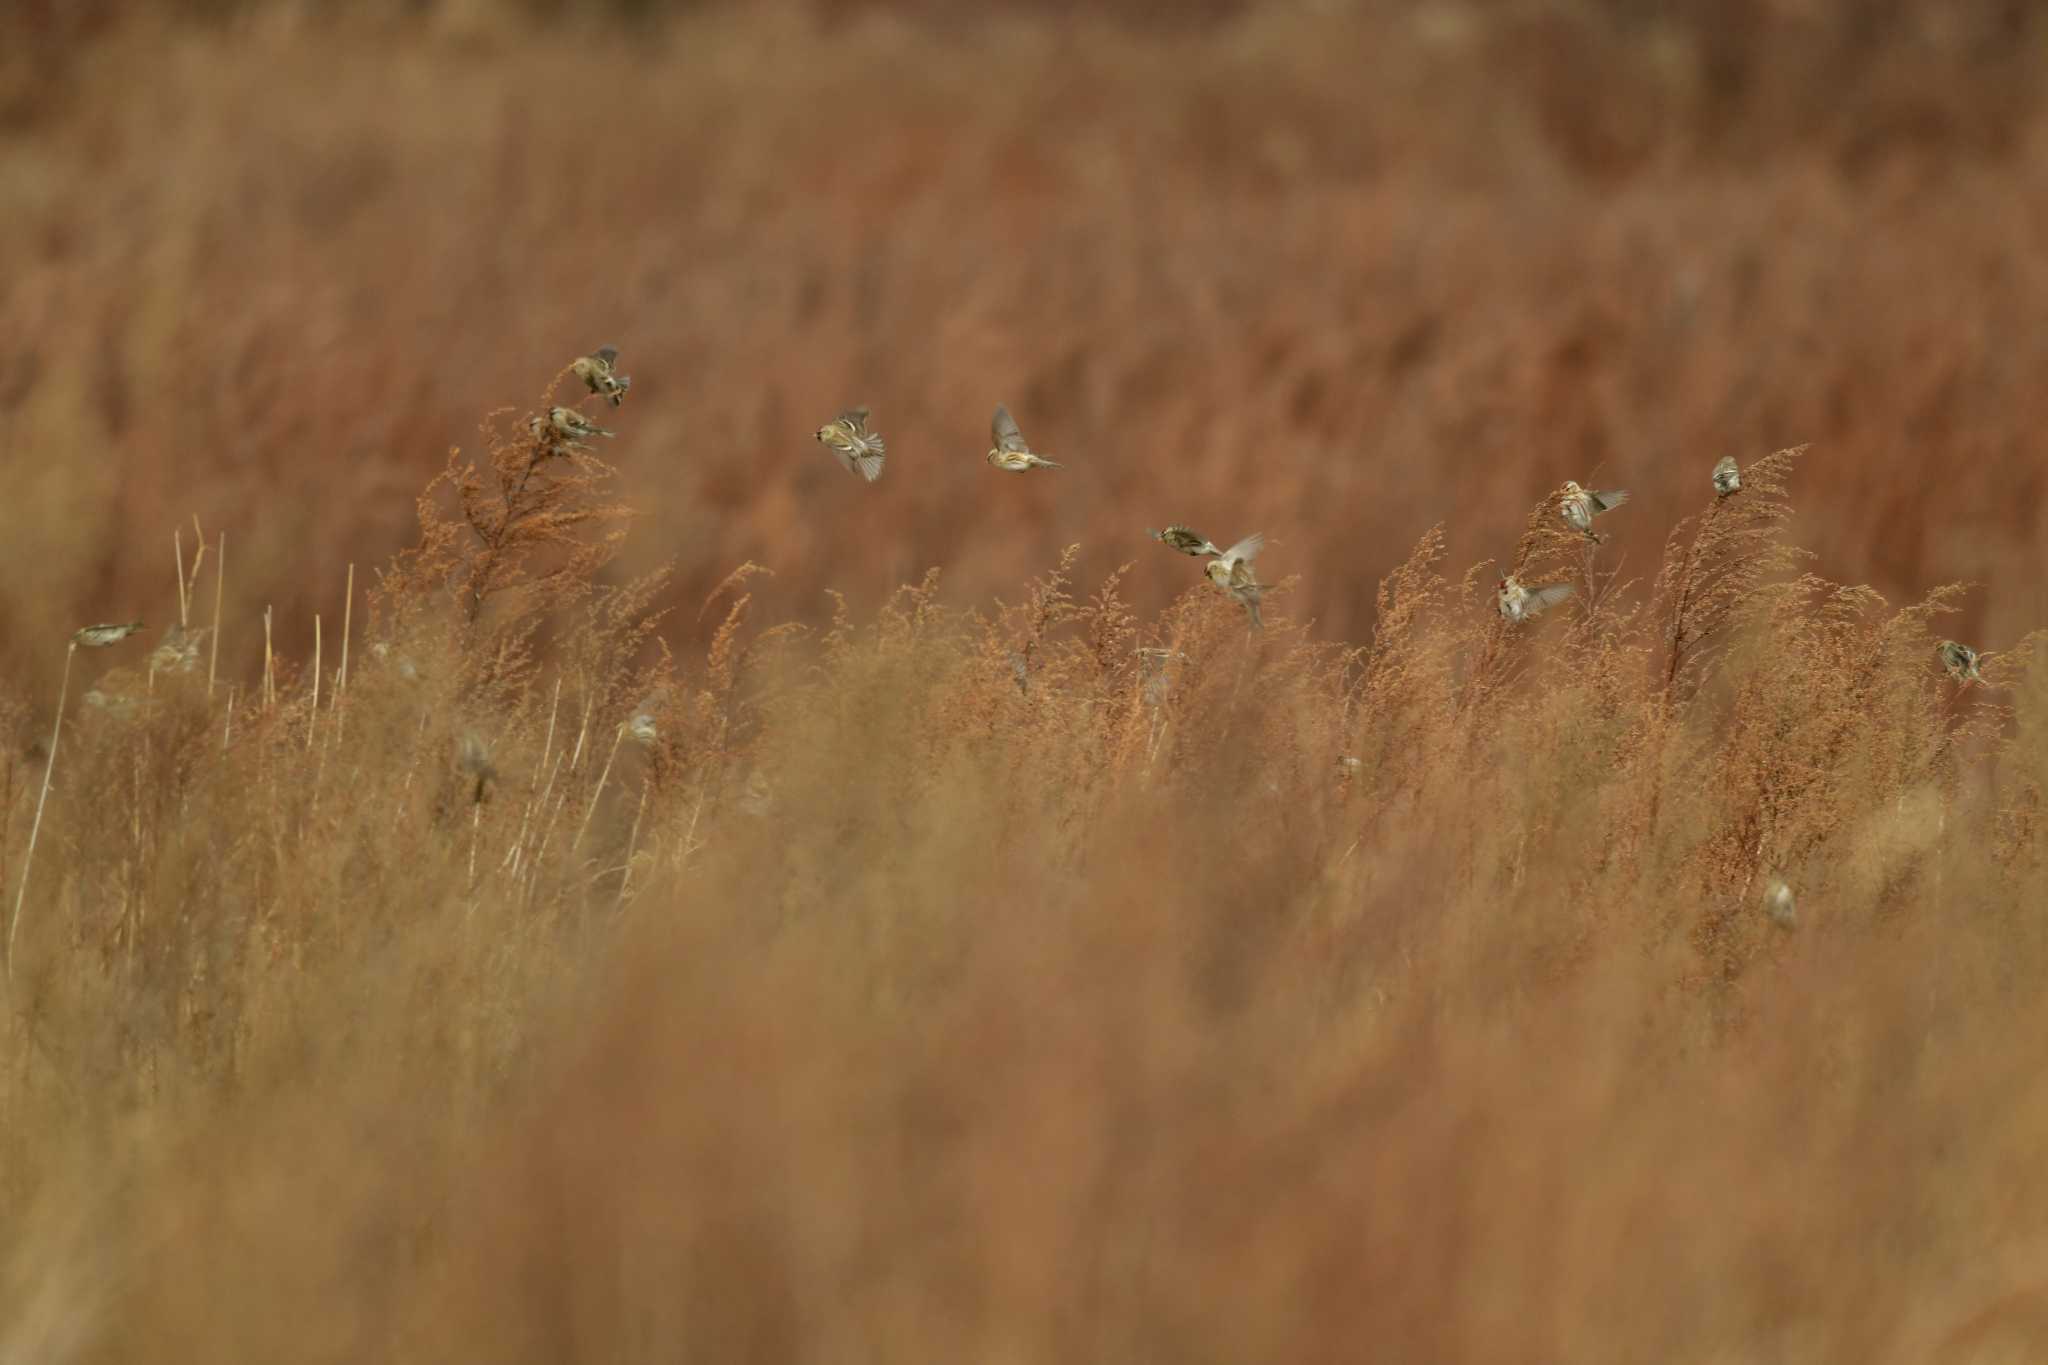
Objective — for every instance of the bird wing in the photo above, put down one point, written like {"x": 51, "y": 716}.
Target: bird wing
{"x": 1607, "y": 499}
{"x": 870, "y": 465}
{"x": 1725, "y": 465}
{"x": 608, "y": 354}
{"x": 1245, "y": 550}
{"x": 1003, "y": 428}
{"x": 855, "y": 418}
{"x": 1542, "y": 599}
{"x": 845, "y": 456}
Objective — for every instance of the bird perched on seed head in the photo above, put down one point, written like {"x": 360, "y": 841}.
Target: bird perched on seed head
{"x": 1009, "y": 451}
{"x": 119, "y": 705}
{"x": 1581, "y": 505}
{"x": 99, "y": 637}
{"x": 1232, "y": 572}
{"x": 1727, "y": 477}
{"x": 644, "y": 724}
{"x": 473, "y": 759}
{"x": 565, "y": 425}
{"x": 1518, "y": 603}
{"x": 1778, "y": 904}
{"x": 595, "y": 370}
{"x": 1155, "y": 671}
{"x": 1186, "y": 541}
{"x": 178, "y": 651}
{"x": 858, "y": 448}
{"x": 1960, "y": 661}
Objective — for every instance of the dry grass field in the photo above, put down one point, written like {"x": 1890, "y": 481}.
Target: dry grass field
{"x": 691, "y": 903}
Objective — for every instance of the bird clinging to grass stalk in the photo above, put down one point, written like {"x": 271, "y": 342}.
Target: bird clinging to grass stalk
{"x": 1580, "y": 505}
{"x": 178, "y": 651}
{"x": 473, "y": 760}
{"x": 1778, "y": 904}
{"x": 565, "y": 427}
{"x": 100, "y": 636}
{"x": 1231, "y": 571}
{"x": 858, "y": 447}
{"x": 1960, "y": 661}
{"x": 597, "y": 374}
{"x": 1727, "y": 477}
{"x": 1009, "y": 451}
{"x": 1186, "y": 541}
{"x": 644, "y": 725}
{"x": 1519, "y": 603}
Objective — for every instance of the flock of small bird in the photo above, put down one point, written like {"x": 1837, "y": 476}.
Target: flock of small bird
{"x": 861, "y": 450}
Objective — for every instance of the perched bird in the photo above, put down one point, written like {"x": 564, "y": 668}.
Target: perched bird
{"x": 1020, "y": 669}
{"x": 1960, "y": 661}
{"x": 178, "y": 651}
{"x": 566, "y": 425}
{"x": 759, "y": 797}
{"x": 1155, "y": 671}
{"x": 595, "y": 370}
{"x": 407, "y": 669}
{"x": 1778, "y": 904}
{"x": 1232, "y": 572}
{"x": 1518, "y": 603}
{"x": 858, "y": 448}
{"x": 1186, "y": 541}
{"x": 643, "y": 725}
{"x": 1727, "y": 477}
{"x": 119, "y": 705}
{"x": 99, "y": 637}
{"x": 1581, "y": 505}
{"x": 1009, "y": 451}
{"x": 473, "y": 759}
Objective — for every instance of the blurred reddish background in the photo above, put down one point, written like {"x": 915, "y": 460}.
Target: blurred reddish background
{"x": 1334, "y": 271}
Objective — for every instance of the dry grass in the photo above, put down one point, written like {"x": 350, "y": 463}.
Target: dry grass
{"x": 1026, "y": 962}
{"x": 1342, "y": 274}
{"x": 958, "y": 984}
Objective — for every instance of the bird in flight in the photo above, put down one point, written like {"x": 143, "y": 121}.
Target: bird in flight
{"x": 1009, "y": 451}
{"x": 858, "y": 448}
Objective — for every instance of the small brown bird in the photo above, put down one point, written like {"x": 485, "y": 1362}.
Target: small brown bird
{"x": 1778, "y": 904}
{"x": 178, "y": 651}
{"x": 99, "y": 637}
{"x": 858, "y": 448}
{"x": 1231, "y": 571}
{"x": 1155, "y": 672}
{"x": 1581, "y": 505}
{"x": 119, "y": 705}
{"x": 597, "y": 374}
{"x": 1518, "y": 603}
{"x": 566, "y": 426}
{"x": 759, "y": 797}
{"x": 1960, "y": 661}
{"x": 1009, "y": 451}
{"x": 407, "y": 669}
{"x": 473, "y": 760}
{"x": 1186, "y": 541}
{"x": 644, "y": 725}
{"x": 1727, "y": 477}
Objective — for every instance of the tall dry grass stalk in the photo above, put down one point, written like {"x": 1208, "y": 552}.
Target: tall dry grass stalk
{"x": 1049, "y": 979}
{"x": 28, "y": 857}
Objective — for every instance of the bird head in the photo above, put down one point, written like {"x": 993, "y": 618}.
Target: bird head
{"x": 1218, "y": 571}
{"x": 1571, "y": 488}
